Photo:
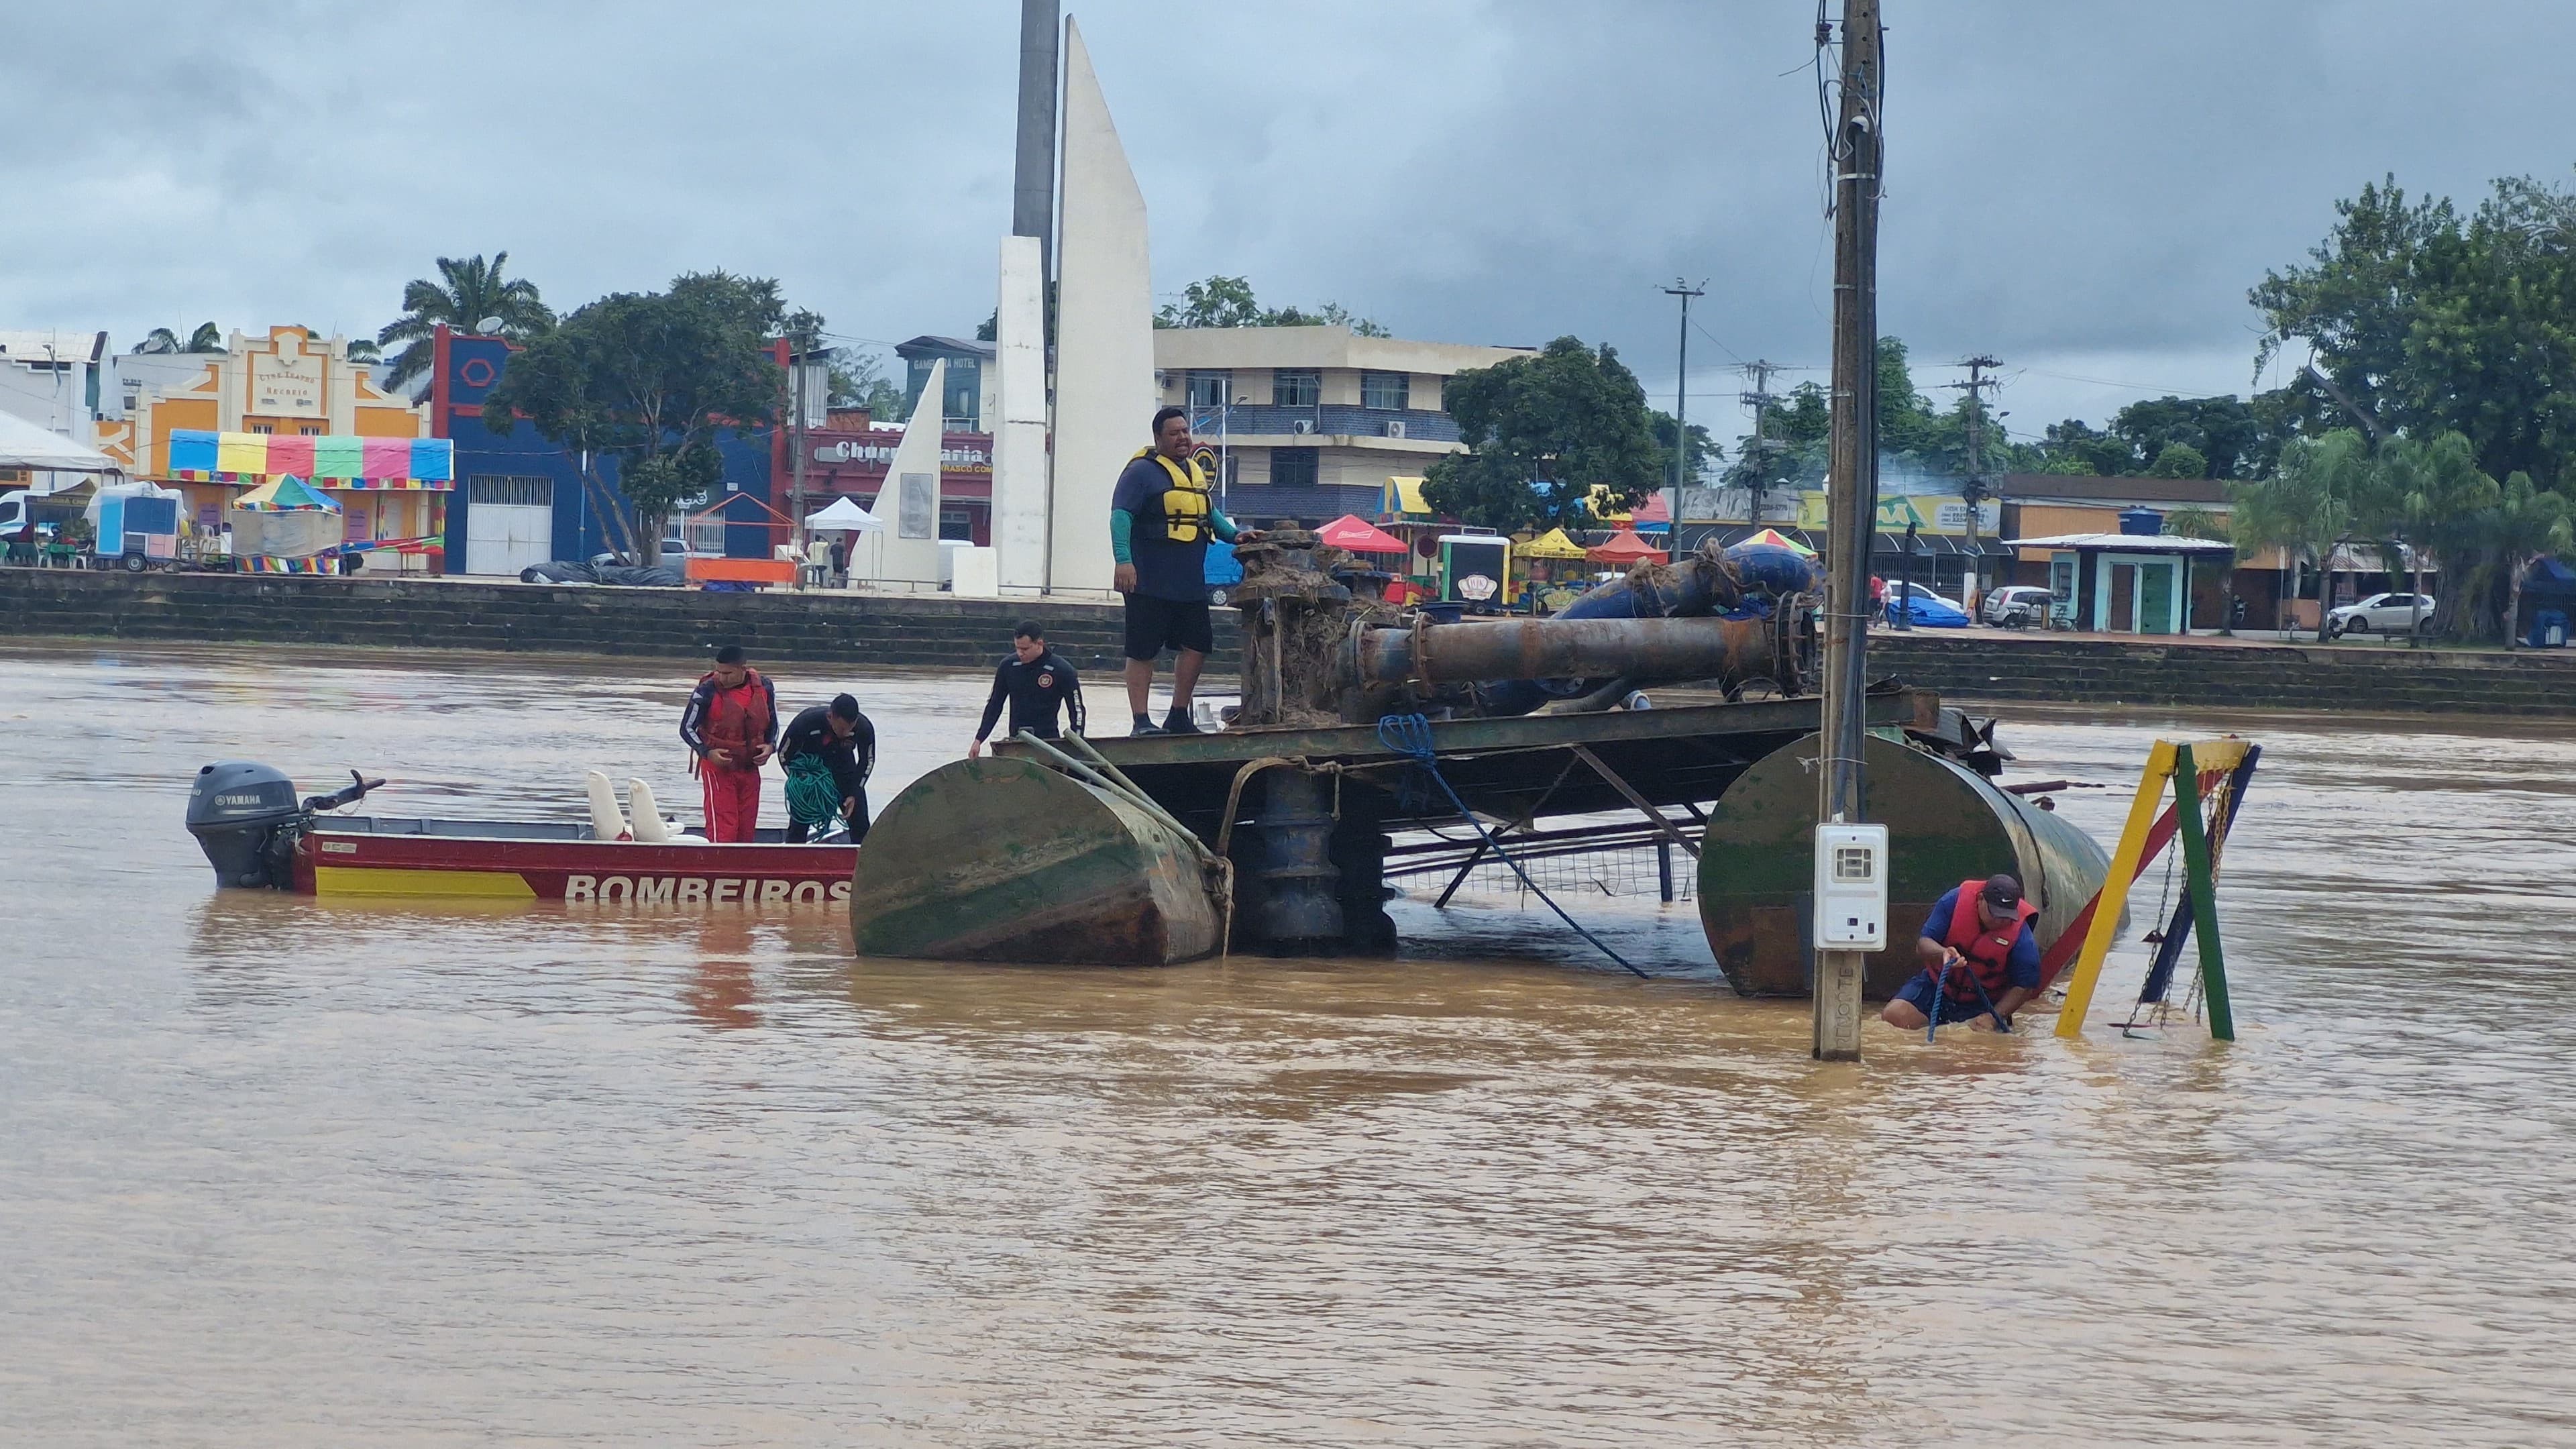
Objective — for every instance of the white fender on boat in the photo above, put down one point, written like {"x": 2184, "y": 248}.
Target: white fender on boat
{"x": 650, "y": 827}
{"x": 606, "y": 821}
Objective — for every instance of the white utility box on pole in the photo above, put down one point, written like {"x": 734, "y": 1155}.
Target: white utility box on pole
{"x": 1851, "y": 888}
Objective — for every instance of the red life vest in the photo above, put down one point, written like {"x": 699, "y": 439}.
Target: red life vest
{"x": 737, "y": 718}
{"x": 1988, "y": 953}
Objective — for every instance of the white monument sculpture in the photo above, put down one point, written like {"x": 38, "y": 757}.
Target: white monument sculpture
{"x": 1104, "y": 370}
{"x": 906, "y": 551}
{"x": 1020, "y": 429}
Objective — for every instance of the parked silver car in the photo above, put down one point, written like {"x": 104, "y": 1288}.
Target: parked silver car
{"x": 2382, "y": 614}
{"x": 2017, "y": 606}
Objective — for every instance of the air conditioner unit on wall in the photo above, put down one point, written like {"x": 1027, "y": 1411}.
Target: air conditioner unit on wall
{"x": 1301, "y": 425}
{"x": 1394, "y": 428}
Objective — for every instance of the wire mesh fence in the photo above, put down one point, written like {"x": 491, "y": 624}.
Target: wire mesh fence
{"x": 1650, "y": 872}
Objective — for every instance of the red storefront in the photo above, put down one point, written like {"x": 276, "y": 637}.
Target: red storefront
{"x": 851, "y": 462}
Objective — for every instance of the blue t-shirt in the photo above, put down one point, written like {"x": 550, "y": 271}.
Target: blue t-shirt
{"x": 1164, "y": 569}
{"x": 2022, "y": 966}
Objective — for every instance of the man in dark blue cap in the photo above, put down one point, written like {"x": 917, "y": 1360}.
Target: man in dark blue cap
{"x": 1980, "y": 959}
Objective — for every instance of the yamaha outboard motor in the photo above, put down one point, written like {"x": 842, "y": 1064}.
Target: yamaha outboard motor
{"x": 246, "y": 818}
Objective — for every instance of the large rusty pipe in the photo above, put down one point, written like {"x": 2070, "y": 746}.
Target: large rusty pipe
{"x": 1701, "y": 648}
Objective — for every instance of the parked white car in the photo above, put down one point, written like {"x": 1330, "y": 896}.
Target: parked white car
{"x": 2018, "y": 606}
{"x": 2382, "y": 614}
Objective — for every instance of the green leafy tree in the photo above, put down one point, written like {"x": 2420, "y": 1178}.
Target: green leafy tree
{"x": 860, "y": 380}
{"x": 1228, "y": 302}
{"x": 469, "y": 292}
{"x": 2179, "y": 460}
{"x": 654, "y": 379}
{"x": 1703, "y": 448}
{"x": 1542, "y": 432}
{"x": 2076, "y": 447}
{"x": 2306, "y": 507}
{"x": 162, "y": 342}
{"x": 2429, "y": 495}
{"x": 2526, "y": 523}
{"x": 2424, "y": 321}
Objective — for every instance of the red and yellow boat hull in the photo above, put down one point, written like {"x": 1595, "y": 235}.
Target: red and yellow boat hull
{"x": 684, "y": 874}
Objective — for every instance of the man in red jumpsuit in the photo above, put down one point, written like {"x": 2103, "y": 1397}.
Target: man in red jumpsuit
{"x": 732, "y": 725}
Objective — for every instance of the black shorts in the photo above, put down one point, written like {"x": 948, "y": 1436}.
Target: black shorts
{"x": 1180, "y": 623}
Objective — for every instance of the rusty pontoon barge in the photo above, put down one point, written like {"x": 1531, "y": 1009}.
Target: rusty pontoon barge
{"x": 1276, "y": 834}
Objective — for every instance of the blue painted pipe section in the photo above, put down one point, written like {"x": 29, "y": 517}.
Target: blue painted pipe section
{"x": 1762, "y": 568}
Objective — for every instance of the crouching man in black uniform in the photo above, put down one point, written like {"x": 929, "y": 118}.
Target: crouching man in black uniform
{"x": 829, "y": 751}
{"x": 1035, "y": 681}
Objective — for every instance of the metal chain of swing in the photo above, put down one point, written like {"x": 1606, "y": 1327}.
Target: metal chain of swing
{"x": 2215, "y": 808}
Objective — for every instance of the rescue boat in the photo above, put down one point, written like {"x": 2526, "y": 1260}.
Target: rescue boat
{"x": 258, "y": 835}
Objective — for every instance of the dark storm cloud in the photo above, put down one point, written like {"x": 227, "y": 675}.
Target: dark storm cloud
{"x": 2084, "y": 189}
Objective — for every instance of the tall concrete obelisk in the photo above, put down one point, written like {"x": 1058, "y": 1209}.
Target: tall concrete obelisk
{"x": 1033, "y": 167}
{"x": 1020, "y": 426}
{"x": 1104, "y": 371}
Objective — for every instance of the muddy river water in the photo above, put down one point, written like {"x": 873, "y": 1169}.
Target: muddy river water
{"x": 276, "y": 1172}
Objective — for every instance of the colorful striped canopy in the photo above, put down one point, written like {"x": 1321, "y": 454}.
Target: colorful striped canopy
{"x": 287, "y": 494}
{"x": 333, "y": 461}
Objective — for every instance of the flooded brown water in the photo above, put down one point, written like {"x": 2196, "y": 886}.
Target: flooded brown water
{"x": 275, "y": 1172}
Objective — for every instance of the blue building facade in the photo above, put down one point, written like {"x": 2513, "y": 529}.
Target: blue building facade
{"x": 520, "y": 499}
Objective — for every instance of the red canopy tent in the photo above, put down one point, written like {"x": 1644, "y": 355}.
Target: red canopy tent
{"x": 1352, "y": 532}
{"x": 1624, "y": 547}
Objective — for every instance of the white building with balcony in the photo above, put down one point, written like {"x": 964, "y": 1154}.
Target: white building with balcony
{"x": 1312, "y": 421}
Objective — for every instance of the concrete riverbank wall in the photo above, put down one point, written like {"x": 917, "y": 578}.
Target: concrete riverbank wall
{"x": 923, "y": 631}
{"x": 934, "y": 631}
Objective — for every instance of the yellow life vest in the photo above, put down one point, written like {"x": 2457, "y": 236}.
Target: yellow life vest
{"x": 1189, "y": 504}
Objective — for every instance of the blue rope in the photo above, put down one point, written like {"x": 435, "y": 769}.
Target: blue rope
{"x": 1410, "y": 735}
{"x": 1941, "y": 993}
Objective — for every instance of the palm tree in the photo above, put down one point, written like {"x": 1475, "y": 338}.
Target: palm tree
{"x": 161, "y": 341}
{"x": 2526, "y": 523}
{"x": 2307, "y": 506}
{"x": 473, "y": 293}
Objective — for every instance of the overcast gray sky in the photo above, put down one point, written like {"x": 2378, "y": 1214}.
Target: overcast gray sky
{"x": 2084, "y": 189}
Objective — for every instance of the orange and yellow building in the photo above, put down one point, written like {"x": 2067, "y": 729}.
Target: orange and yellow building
{"x": 286, "y": 384}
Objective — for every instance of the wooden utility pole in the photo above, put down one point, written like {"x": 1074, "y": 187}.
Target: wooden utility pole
{"x": 1852, "y": 490}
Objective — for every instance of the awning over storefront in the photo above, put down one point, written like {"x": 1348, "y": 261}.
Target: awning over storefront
{"x": 1403, "y": 499}
{"x": 328, "y": 461}
{"x": 1932, "y": 545}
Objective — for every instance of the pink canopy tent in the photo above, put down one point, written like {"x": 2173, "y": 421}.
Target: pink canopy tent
{"x": 1352, "y": 532}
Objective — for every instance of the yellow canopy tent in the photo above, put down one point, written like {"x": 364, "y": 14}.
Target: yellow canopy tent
{"x": 1551, "y": 544}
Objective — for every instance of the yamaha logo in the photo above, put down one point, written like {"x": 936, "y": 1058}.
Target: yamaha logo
{"x": 240, "y": 802}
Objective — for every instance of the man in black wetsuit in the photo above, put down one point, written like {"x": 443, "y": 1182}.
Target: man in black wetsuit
{"x": 829, "y": 751}
{"x": 1036, "y": 681}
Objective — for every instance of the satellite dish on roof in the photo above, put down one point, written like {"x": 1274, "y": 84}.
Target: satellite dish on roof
{"x": 489, "y": 326}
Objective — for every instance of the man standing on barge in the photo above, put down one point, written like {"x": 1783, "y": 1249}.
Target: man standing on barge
{"x": 1160, "y": 520}
{"x": 731, "y": 725}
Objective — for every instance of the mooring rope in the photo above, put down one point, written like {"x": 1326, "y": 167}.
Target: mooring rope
{"x": 1941, "y": 994}
{"x": 1410, "y": 735}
